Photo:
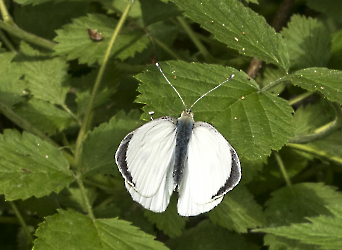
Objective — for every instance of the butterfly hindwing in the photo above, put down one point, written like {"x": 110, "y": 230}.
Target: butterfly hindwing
{"x": 211, "y": 170}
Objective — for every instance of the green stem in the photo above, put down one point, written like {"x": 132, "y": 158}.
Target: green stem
{"x": 88, "y": 114}
{"x": 27, "y": 126}
{"x": 7, "y": 42}
{"x": 282, "y": 169}
{"x": 65, "y": 107}
{"x": 22, "y": 222}
{"x": 313, "y": 151}
{"x": 195, "y": 39}
{"x": 16, "y": 31}
{"x": 275, "y": 83}
{"x": 5, "y": 16}
{"x": 323, "y": 131}
{"x": 85, "y": 198}
{"x": 167, "y": 49}
{"x": 301, "y": 97}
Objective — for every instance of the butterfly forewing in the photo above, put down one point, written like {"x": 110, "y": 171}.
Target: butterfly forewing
{"x": 208, "y": 169}
{"x": 144, "y": 156}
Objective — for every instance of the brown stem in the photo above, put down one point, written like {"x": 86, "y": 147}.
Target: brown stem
{"x": 277, "y": 23}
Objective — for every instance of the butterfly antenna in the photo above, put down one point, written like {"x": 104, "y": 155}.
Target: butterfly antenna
{"x": 211, "y": 90}
{"x": 157, "y": 64}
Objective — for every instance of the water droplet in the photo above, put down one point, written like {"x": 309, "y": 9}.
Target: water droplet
{"x": 322, "y": 87}
{"x": 46, "y": 156}
{"x": 243, "y": 32}
{"x": 236, "y": 39}
{"x": 223, "y": 24}
{"x": 235, "y": 118}
{"x": 243, "y": 49}
{"x": 242, "y": 97}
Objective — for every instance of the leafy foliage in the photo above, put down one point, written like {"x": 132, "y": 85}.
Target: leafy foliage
{"x": 67, "y": 101}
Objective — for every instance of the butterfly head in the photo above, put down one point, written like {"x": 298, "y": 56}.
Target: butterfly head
{"x": 187, "y": 114}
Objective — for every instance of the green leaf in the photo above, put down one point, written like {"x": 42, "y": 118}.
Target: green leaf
{"x": 31, "y": 167}
{"x": 253, "y": 122}
{"x": 155, "y": 10}
{"x": 66, "y": 230}
{"x": 324, "y": 231}
{"x": 313, "y": 116}
{"x": 291, "y": 205}
{"x": 74, "y": 41}
{"x": 11, "y": 87}
{"x": 45, "y": 116}
{"x": 169, "y": 221}
{"x": 42, "y": 20}
{"x": 330, "y": 146}
{"x": 336, "y": 51}
{"x": 101, "y": 144}
{"x": 326, "y": 81}
{"x": 209, "y": 236}
{"x": 46, "y": 78}
{"x": 271, "y": 178}
{"x": 330, "y": 8}
{"x": 282, "y": 243}
{"x": 308, "y": 42}
{"x": 238, "y": 211}
{"x": 135, "y": 10}
{"x": 240, "y": 28}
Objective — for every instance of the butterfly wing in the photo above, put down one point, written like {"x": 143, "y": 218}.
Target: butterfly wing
{"x": 145, "y": 159}
{"x": 211, "y": 170}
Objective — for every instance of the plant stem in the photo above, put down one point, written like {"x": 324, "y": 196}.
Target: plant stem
{"x": 16, "y": 31}
{"x": 22, "y": 222}
{"x": 88, "y": 114}
{"x": 195, "y": 40}
{"x": 313, "y": 151}
{"x": 323, "y": 131}
{"x": 7, "y": 42}
{"x": 301, "y": 97}
{"x": 85, "y": 198}
{"x": 282, "y": 169}
{"x": 7, "y": 18}
{"x": 167, "y": 49}
{"x": 275, "y": 83}
{"x": 65, "y": 107}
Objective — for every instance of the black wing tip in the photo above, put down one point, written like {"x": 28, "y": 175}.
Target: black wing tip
{"x": 234, "y": 178}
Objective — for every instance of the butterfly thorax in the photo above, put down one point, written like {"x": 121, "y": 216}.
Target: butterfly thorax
{"x": 185, "y": 125}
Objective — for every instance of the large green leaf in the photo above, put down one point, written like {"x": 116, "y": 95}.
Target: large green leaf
{"x": 307, "y": 42}
{"x": 254, "y": 122}
{"x": 101, "y": 143}
{"x": 45, "y": 116}
{"x": 11, "y": 87}
{"x": 74, "y": 41}
{"x": 66, "y": 230}
{"x": 324, "y": 231}
{"x": 238, "y": 211}
{"x": 239, "y": 27}
{"x": 46, "y": 78}
{"x": 291, "y": 205}
{"x": 30, "y": 166}
{"x": 323, "y": 80}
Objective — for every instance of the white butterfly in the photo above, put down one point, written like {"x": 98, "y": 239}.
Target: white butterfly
{"x": 168, "y": 154}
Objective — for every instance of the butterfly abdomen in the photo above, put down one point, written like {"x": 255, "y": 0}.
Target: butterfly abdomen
{"x": 185, "y": 125}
